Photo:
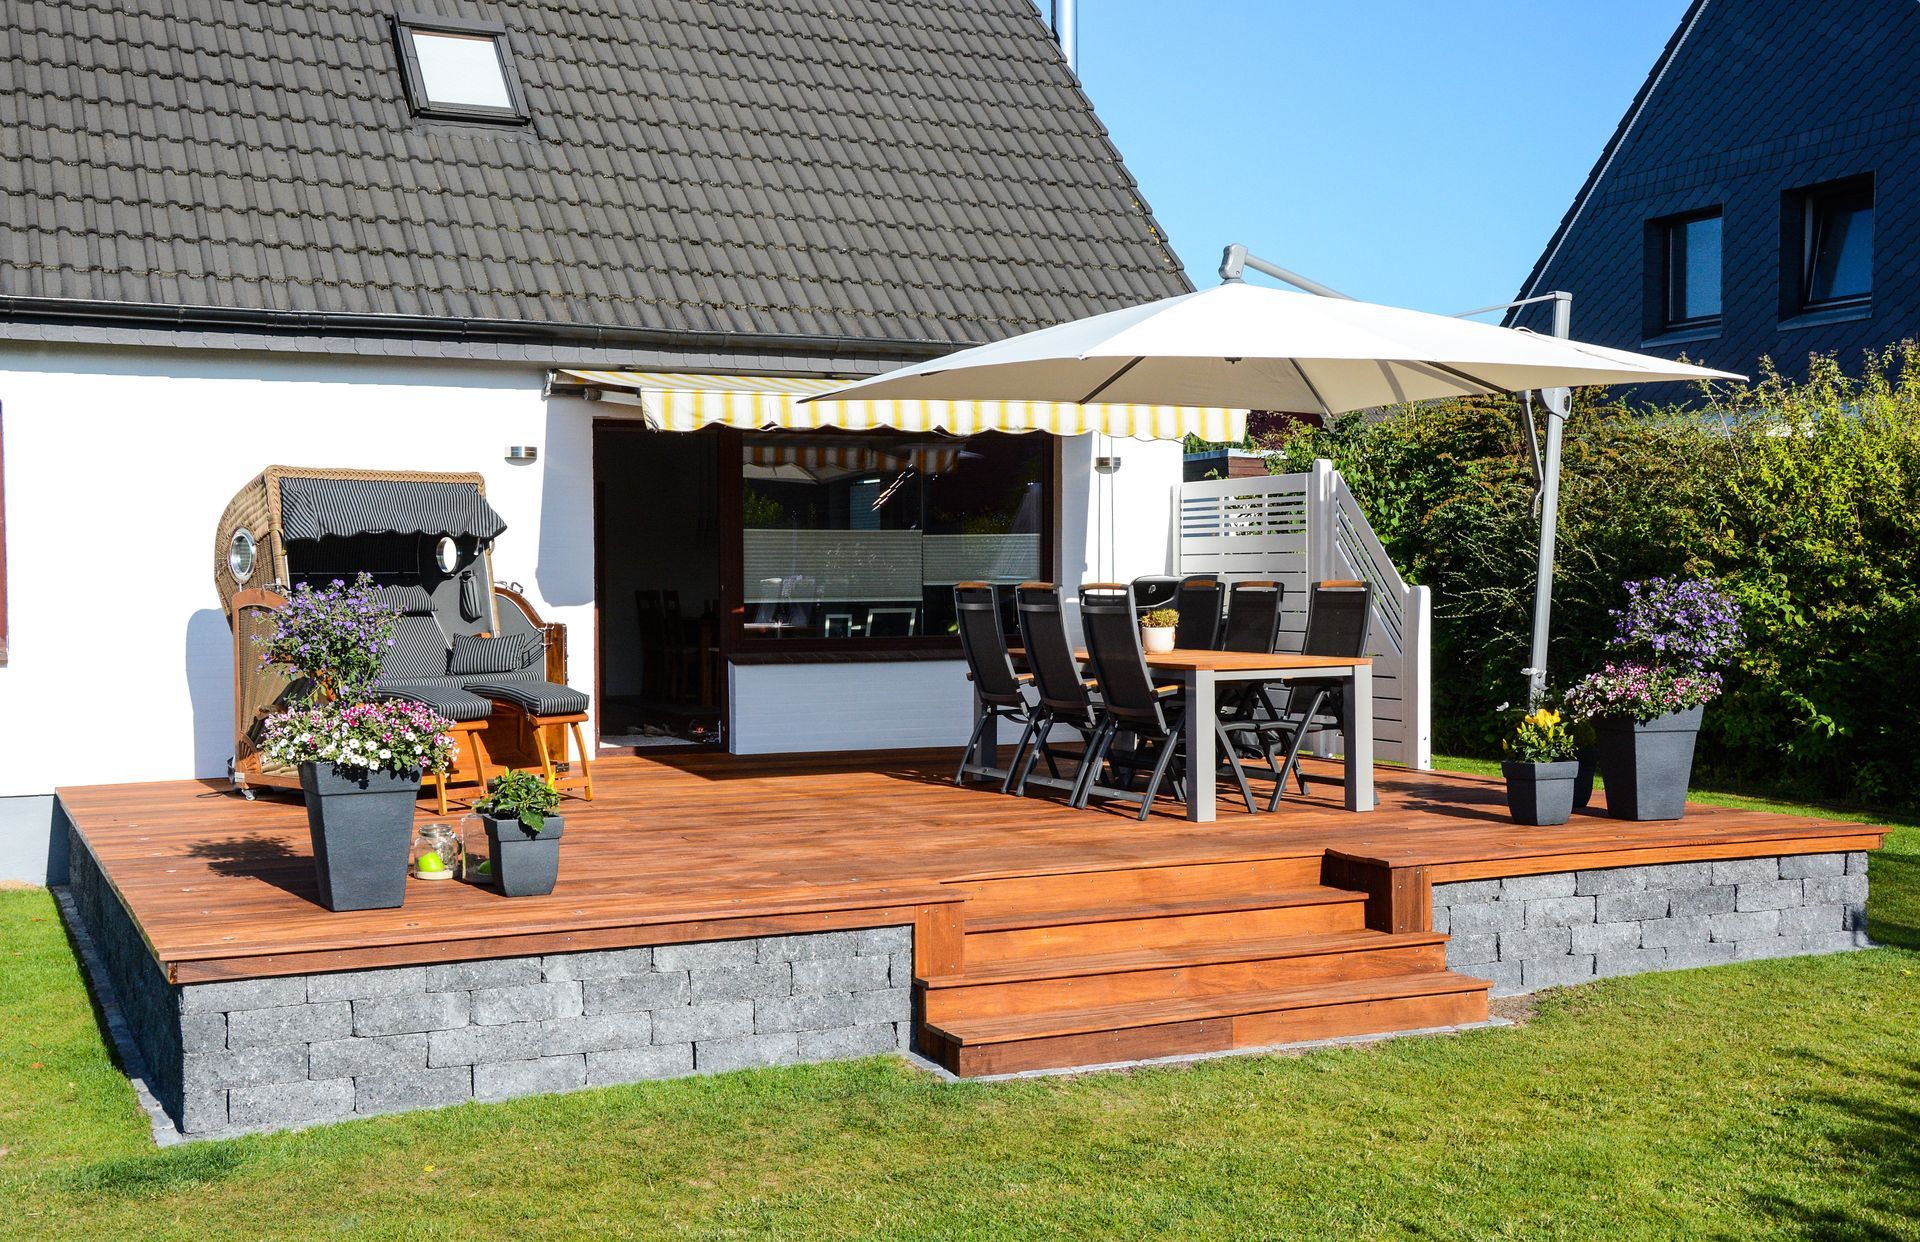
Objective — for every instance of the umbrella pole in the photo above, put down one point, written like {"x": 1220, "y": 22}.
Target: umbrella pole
{"x": 1559, "y": 402}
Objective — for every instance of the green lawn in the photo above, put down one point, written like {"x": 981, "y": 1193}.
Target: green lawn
{"x": 1765, "y": 1099}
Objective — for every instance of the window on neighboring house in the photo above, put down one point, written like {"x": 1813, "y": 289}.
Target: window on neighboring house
{"x": 1686, "y": 261}
{"x": 460, "y": 69}
{"x": 1828, "y": 246}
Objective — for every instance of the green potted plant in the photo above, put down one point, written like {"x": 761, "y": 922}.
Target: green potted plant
{"x": 1156, "y": 629}
{"x": 523, "y": 833}
{"x": 1540, "y": 770}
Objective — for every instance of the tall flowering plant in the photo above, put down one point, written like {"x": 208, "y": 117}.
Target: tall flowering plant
{"x": 390, "y": 736}
{"x": 334, "y": 637}
{"x": 1673, "y": 637}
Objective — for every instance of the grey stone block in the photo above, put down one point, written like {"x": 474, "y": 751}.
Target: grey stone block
{"x": 1667, "y": 933}
{"x": 1491, "y": 917}
{"x": 244, "y": 1067}
{"x": 1856, "y": 919}
{"x": 1762, "y": 947}
{"x": 1800, "y": 866}
{"x": 1534, "y": 887}
{"x": 883, "y": 940}
{"x": 501, "y": 972}
{"x": 529, "y": 1002}
{"x": 290, "y": 1104}
{"x": 1746, "y": 870}
{"x": 1466, "y": 892}
{"x": 1442, "y": 919}
{"x": 1678, "y": 875}
{"x": 901, "y": 976}
{"x": 1597, "y": 938}
{"x": 803, "y": 1013}
{"x": 1715, "y": 900}
{"x": 1652, "y": 903}
{"x": 635, "y": 992}
{"x": 1610, "y": 880}
{"x": 1767, "y": 895}
{"x": 848, "y": 1041}
{"x": 1750, "y": 925}
{"x": 1628, "y": 961}
{"x": 822, "y": 976}
{"x": 1811, "y": 920}
{"x": 1553, "y": 972}
{"x": 616, "y": 1065}
{"x": 506, "y": 1080}
{"x": 354, "y": 984}
{"x": 1684, "y": 956}
{"x": 244, "y": 994}
{"x": 1559, "y": 911}
{"x": 420, "y": 1088}
{"x": 203, "y": 1032}
{"x": 745, "y": 1052}
{"x": 698, "y": 1022}
{"x": 401, "y": 1015}
{"x": 605, "y": 964}
{"x": 203, "y": 1112}
{"x": 596, "y": 1034}
{"x": 1857, "y": 862}
{"x": 1534, "y": 942}
{"x": 475, "y": 1045}
{"x": 1835, "y": 890}
{"x": 809, "y": 946}
{"x": 712, "y": 953}
{"x": 712, "y": 983}
{"x": 291, "y": 1024}
{"x": 379, "y": 1054}
{"x": 874, "y": 1008}
{"x": 1504, "y": 976}
{"x": 1824, "y": 942}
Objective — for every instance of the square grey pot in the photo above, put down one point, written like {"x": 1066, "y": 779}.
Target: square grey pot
{"x": 1647, "y": 765}
{"x": 1540, "y": 794}
{"x": 524, "y": 864}
{"x": 362, "y": 828}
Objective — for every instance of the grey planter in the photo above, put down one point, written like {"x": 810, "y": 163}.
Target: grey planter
{"x": 362, "y": 826}
{"x": 1586, "y": 757}
{"x": 1647, "y": 765}
{"x": 1540, "y": 794}
{"x": 524, "y": 865}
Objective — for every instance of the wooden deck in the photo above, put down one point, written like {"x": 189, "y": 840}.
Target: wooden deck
{"x": 1151, "y": 927}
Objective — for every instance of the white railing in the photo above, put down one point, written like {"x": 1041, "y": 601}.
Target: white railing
{"x": 1304, "y": 528}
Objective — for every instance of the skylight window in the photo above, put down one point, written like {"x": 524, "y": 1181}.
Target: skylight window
{"x": 460, "y": 69}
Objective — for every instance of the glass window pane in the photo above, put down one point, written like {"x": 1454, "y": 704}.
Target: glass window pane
{"x": 460, "y": 69}
{"x": 1693, "y": 269}
{"x": 864, "y": 536}
{"x": 1840, "y": 265}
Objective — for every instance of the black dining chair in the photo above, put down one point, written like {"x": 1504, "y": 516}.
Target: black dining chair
{"x": 1339, "y": 615}
{"x": 1064, "y": 697}
{"x": 1131, "y": 702}
{"x": 1253, "y": 616}
{"x": 1151, "y": 591}
{"x": 983, "y": 641}
{"x": 1200, "y": 600}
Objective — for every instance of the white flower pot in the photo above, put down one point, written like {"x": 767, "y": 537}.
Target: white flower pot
{"x": 1156, "y": 637}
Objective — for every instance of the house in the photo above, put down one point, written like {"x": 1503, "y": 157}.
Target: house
{"x": 1758, "y": 199}
{"x": 341, "y": 233}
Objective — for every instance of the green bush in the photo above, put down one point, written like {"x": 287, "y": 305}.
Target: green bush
{"x": 1804, "y": 499}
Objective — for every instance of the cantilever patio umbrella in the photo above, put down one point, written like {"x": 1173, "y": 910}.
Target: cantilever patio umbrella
{"x": 1254, "y": 347}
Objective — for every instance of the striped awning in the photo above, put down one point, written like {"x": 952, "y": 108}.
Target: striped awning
{"x": 314, "y": 508}
{"x": 673, "y": 401}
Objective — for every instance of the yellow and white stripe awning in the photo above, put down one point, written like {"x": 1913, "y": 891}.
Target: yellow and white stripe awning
{"x": 681, "y": 402}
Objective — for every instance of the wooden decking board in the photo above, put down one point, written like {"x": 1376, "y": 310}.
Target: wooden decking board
{"x": 1120, "y": 913}
{"x": 1161, "y": 957}
{"x": 221, "y": 887}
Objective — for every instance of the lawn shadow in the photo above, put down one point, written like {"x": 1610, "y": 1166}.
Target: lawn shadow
{"x": 1876, "y": 1131}
{"x": 1894, "y": 880}
{"x": 261, "y": 857}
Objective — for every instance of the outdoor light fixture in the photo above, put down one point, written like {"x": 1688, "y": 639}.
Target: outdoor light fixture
{"x": 1106, "y": 465}
{"x": 522, "y": 452}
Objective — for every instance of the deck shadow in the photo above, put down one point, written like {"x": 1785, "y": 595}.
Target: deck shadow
{"x": 260, "y": 857}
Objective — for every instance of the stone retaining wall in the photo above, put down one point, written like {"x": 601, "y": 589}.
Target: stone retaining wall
{"x": 1538, "y": 931}
{"x": 262, "y": 1054}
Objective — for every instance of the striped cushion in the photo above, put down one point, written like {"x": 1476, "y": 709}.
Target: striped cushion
{"x": 419, "y": 650}
{"x": 536, "y": 698}
{"x": 441, "y": 695}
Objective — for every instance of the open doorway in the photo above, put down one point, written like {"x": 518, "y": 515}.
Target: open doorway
{"x": 657, "y": 565}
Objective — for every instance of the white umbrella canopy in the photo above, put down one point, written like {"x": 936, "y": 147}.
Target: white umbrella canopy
{"x": 1253, "y": 347}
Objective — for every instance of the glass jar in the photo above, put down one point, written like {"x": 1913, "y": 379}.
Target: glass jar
{"x": 438, "y": 852}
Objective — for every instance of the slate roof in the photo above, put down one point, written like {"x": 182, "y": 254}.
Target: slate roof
{"x": 796, "y": 170}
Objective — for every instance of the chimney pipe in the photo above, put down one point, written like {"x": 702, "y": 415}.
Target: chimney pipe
{"x": 1066, "y": 29}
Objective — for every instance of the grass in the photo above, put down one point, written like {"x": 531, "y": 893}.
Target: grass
{"x": 1768, "y": 1099}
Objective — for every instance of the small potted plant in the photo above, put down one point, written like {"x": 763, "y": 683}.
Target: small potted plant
{"x": 1156, "y": 629}
{"x": 523, "y": 834}
{"x": 1540, "y": 770}
{"x": 1645, "y": 706}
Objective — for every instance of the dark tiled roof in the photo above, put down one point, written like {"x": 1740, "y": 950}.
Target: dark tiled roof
{"x": 867, "y": 169}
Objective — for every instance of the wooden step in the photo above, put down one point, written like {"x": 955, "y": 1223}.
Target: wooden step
{"x": 1139, "y": 885}
{"x": 1035, "y": 985}
{"x": 1103, "y": 1034}
{"x": 1095, "y": 929}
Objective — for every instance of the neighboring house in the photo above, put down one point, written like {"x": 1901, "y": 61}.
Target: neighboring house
{"x": 1761, "y": 196}
{"x": 338, "y": 233}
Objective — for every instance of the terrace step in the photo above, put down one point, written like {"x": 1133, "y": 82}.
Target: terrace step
{"x": 1019, "y": 936}
{"x": 1137, "y": 885}
{"x": 1102, "y": 1034}
{"x": 1035, "y": 985}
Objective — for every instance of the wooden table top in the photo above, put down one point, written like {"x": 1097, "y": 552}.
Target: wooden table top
{"x": 1195, "y": 659}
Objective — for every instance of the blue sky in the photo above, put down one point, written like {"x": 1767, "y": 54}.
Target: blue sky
{"x": 1418, "y": 153}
